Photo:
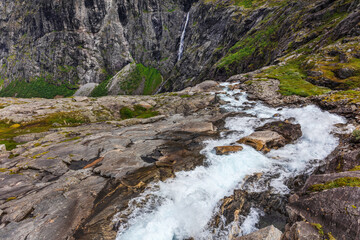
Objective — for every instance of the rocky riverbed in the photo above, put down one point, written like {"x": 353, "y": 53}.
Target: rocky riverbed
{"x": 68, "y": 179}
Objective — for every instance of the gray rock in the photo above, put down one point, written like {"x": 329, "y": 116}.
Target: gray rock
{"x": 264, "y": 140}
{"x": 61, "y": 182}
{"x": 344, "y": 73}
{"x": 268, "y": 233}
{"x": 2, "y": 148}
{"x": 85, "y": 90}
{"x": 302, "y": 231}
{"x": 335, "y": 210}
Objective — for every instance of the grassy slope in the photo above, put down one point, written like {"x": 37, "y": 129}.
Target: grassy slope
{"x": 36, "y": 88}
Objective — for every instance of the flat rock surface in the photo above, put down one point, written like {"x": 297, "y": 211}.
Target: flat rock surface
{"x": 65, "y": 181}
{"x": 264, "y": 140}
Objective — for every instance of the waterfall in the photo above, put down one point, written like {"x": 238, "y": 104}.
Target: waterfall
{"x": 181, "y": 47}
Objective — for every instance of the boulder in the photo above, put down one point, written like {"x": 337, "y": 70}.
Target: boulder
{"x": 226, "y": 150}
{"x": 302, "y": 231}
{"x": 86, "y": 89}
{"x": 344, "y": 73}
{"x": 268, "y": 233}
{"x": 289, "y": 131}
{"x": 324, "y": 178}
{"x": 335, "y": 211}
{"x": 206, "y": 86}
{"x": 264, "y": 140}
{"x": 2, "y": 148}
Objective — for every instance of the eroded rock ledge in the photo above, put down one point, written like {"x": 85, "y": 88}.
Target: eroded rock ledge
{"x": 65, "y": 178}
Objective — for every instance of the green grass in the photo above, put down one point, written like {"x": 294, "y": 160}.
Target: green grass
{"x": 151, "y": 78}
{"x": 137, "y": 112}
{"x": 292, "y": 80}
{"x": 37, "y": 88}
{"x": 340, "y": 182}
{"x": 245, "y": 48}
{"x": 101, "y": 89}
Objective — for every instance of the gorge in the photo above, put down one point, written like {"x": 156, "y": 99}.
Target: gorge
{"x": 180, "y": 119}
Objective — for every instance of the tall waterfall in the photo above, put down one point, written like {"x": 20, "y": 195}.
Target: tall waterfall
{"x": 181, "y": 47}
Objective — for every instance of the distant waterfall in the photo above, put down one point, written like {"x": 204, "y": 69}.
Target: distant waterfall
{"x": 181, "y": 47}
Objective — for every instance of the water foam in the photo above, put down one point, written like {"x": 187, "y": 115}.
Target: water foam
{"x": 180, "y": 208}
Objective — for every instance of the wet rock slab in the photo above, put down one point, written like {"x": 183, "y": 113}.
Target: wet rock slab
{"x": 273, "y": 136}
{"x": 226, "y": 150}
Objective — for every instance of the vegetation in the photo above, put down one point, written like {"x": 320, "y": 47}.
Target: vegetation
{"x": 350, "y": 96}
{"x": 356, "y": 135}
{"x": 247, "y": 47}
{"x": 356, "y": 168}
{"x": 37, "y": 88}
{"x": 292, "y": 80}
{"x": 138, "y": 112}
{"x": 340, "y": 182}
{"x": 101, "y": 89}
{"x": 150, "y": 77}
{"x": 8, "y": 132}
{"x": 319, "y": 228}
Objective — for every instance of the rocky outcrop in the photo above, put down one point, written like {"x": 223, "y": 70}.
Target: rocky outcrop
{"x": 273, "y": 135}
{"x": 291, "y": 132}
{"x": 264, "y": 140}
{"x": 65, "y": 178}
{"x": 226, "y": 150}
{"x": 302, "y": 231}
{"x": 79, "y": 42}
{"x": 268, "y": 233}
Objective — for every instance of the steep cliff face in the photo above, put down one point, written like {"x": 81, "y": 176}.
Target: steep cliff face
{"x": 76, "y": 42}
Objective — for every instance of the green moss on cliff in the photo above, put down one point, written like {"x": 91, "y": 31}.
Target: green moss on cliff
{"x": 247, "y": 47}
{"x": 37, "y": 88}
{"x": 292, "y": 80}
{"x": 150, "y": 77}
{"x": 340, "y": 182}
{"x": 101, "y": 89}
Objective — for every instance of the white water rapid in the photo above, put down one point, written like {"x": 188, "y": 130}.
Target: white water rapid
{"x": 182, "y": 207}
{"x": 181, "y": 47}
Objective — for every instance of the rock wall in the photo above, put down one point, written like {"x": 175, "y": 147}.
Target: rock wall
{"x": 79, "y": 42}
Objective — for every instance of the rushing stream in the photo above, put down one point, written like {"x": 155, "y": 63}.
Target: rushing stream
{"x": 182, "y": 207}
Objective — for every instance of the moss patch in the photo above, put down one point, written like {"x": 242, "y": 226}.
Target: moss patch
{"x": 150, "y": 77}
{"x": 292, "y": 80}
{"x": 350, "y": 96}
{"x": 247, "y": 47}
{"x": 340, "y": 182}
{"x": 357, "y": 168}
{"x": 68, "y": 119}
{"x": 101, "y": 89}
{"x": 137, "y": 112}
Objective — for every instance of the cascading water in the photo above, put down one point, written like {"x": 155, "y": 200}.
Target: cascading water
{"x": 182, "y": 38}
{"x": 182, "y": 207}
